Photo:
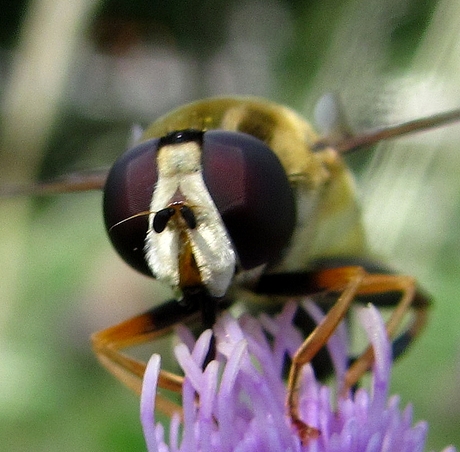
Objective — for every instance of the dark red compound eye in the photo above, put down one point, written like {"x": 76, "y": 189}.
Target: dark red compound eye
{"x": 245, "y": 180}
{"x": 250, "y": 188}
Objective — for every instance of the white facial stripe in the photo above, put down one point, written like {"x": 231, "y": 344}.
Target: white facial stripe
{"x": 177, "y": 159}
{"x": 159, "y": 255}
{"x": 179, "y": 169}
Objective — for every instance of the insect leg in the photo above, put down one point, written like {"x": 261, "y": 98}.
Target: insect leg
{"x": 385, "y": 291}
{"x": 350, "y": 282}
{"x": 410, "y": 298}
{"x": 350, "y": 278}
{"x": 109, "y": 343}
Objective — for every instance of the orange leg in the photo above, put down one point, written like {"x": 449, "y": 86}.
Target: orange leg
{"x": 109, "y": 343}
{"x": 350, "y": 282}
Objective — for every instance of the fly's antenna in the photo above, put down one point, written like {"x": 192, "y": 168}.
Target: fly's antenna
{"x": 137, "y": 215}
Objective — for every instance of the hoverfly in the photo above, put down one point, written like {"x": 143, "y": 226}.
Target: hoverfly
{"x": 231, "y": 194}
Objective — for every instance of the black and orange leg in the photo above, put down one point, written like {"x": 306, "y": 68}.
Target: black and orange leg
{"x": 109, "y": 344}
{"x": 410, "y": 299}
{"x": 349, "y": 282}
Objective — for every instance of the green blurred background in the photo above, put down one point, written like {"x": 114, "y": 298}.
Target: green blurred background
{"x": 75, "y": 76}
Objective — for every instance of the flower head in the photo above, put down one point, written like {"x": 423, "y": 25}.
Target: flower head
{"x": 242, "y": 394}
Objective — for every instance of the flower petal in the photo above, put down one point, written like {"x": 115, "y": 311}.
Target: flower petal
{"x": 241, "y": 396}
{"x": 149, "y": 388}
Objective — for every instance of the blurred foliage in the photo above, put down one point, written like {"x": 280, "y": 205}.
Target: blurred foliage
{"x": 131, "y": 62}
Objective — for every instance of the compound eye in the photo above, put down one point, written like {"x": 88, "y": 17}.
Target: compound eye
{"x": 252, "y": 193}
{"x": 127, "y": 193}
{"x": 245, "y": 179}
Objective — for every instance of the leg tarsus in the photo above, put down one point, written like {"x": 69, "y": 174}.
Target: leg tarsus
{"x": 305, "y": 432}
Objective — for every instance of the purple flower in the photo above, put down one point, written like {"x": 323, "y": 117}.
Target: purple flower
{"x": 242, "y": 394}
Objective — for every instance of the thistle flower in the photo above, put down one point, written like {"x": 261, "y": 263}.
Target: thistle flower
{"x": 242, "y": 394}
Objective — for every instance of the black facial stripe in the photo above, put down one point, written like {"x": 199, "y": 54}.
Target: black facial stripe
{"x": 181, "y": 136}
